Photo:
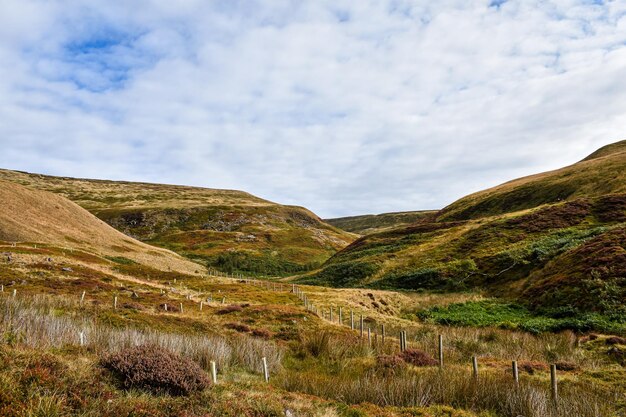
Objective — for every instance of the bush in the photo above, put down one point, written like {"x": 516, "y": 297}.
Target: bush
{"x": 615, "y": 340}
{"x": 230, "y": 309}
{"x": 239, "y": 327}
{"x": 418, "y": 358}
{"x": 155, "y": 369}
{"x": 389, "y": 364}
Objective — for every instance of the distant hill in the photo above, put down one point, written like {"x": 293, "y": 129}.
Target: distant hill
{"x": 551, "y": 240}
{"x": 41, "y": 217}
{"x": 374, "y": 223}
{"x": 226, "y": 229}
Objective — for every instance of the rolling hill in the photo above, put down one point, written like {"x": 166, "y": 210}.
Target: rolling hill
{"x": 229, "y": 230}
{"x": 374, "y": 223}
{"x": 552, "y": 240}
{"x": 40, "y": 217}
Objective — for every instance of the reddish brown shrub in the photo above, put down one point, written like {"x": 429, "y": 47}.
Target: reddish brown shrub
{"x": 262, "y": 333}
{"x": 238, "y": 327}
{"x": 389, "y": 364}
{"x": 171, "y": 308}
{"x": 566, "y": 366}
{"x": 230, "y": 309}
{"x": 615, "y": 340}
{"x": 531, "y": 366}
{"x": 155, "y": 369}
{"x": 593, "y": 336}
{"x": 417, "y": 357}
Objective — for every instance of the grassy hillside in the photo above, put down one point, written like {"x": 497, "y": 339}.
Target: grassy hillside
{"x": 601, "y": 173}
{"x": 229, "y": 230}
{"x": 374, "y": 223}
{"x": 556, "y": 253}
{"x": 53, "y": 221}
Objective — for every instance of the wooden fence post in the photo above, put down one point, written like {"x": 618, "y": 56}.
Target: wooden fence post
{"x": 266, "y": 372}
{"x": 401, "y": 340}
{"x": 361, "y": 321}
{"x": 181, "y": 307}
{"x": 382, "y": 331}
{"x": 201, "y": 305}
{"x": 341, "y": 315}
{"x": 115, "y": 303}
{"x": 165, "y": 306}
{"x": 553, "y": 384}
{"x": 369, "y": 336}
{"x": 351, "y": 319}
{"x": 441, "y": 351}
{"x": 214, "y": 372}
{"x": 475, "y": 367}
{"x": 515, "y": 373}
{"x": 81, "y": 336}
{"x": 14, "y": 293}
{"x": 330, "y": 312}
{"x": 82, "y": 297}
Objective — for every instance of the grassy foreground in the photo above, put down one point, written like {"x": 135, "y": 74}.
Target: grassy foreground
{"x": 318, "y": 367}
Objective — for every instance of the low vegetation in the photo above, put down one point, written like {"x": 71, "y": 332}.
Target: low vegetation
{"x": 155, "y": 369}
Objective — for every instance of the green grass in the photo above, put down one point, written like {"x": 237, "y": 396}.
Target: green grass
{"x": 497, "y": 313}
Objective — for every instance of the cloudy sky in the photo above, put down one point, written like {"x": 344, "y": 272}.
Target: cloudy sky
{"x": 345, "y": 107}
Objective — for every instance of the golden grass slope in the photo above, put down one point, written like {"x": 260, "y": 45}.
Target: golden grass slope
{"x": 230, "y": 230}
{"x": 37, "y": 216}
{"x": 104, "y": 194}
{"x": 601, "y": 173}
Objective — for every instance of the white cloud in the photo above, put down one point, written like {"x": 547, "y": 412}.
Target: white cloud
{"x": 343, "y": 107}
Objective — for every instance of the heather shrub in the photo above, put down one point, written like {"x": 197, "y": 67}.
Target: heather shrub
{"x": 389, "y": 364}
{"x": 616, "y": 340}
{"x": 417, "y": 357}
{"x": 230, "y": 309}
{"x": 262, "y": 333}
{"x": 155, "y": 369}
{"x": 239, "y": 327}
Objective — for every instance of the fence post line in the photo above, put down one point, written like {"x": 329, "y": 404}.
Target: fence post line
{"x": 214, "y": 372}
{"x": 81, "y": 336}
{"x": 553, "y": 384}
{"x": 201, "y": 305}
{"x": 401, "y": 340}
{"x": 82, "y": 297}
{"x": 351, "y": 319}
{"x": 441, "y": 351}
{"x": 382, "y": 331}
{"x": 165, "y": 306}
{"x": 369, "y": 336}
{"x": 266, "y": 373}
{"x": 115, "y": 303}
{"x": 181, "y": 307}
{"x": 475, "y": 367}
{"x": 330, "y": 314}
{"x": 515, "y": 373}
{"x": 2, "y": 288}
{"x": 14, "y": 293}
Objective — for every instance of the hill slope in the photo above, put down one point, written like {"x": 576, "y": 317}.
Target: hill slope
{"x": 374, "y": 223}
{"x": 40, "y": 217}
{"x": 601, "y": 173}
{"x": 537, "y": 250}
{"x": 226, "y": 229}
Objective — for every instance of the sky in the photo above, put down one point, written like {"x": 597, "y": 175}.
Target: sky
{"x": 344, "y": 107}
